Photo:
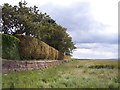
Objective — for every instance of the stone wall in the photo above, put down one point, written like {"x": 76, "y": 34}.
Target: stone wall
{"x": 12, "y": 65}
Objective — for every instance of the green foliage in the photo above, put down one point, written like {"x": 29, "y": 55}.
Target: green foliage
{"x": 56, "y": 36}
{"x": 28, "y": 20}
{"x": 10, "y": 47}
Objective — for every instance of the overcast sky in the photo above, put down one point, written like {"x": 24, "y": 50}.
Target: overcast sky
{"x": 93, "y": 24}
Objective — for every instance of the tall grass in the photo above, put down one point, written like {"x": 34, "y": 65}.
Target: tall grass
{"x": 75, "y": 74}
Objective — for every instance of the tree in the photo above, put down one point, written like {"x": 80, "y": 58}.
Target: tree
{"x": 56, "y": 36}
{"x": 30, "y": 21}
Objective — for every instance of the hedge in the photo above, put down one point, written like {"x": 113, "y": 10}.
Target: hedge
{"x": 23, "y": 47}
{"x": 32, "y": 48}
{"x": 67, "y": 57}
{"x": 10, "y": 47}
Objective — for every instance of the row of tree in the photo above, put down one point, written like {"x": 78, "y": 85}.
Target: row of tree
{"x": 30, "y": 21}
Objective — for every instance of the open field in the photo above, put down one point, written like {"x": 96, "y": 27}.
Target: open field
{"x": 74, "y": 74}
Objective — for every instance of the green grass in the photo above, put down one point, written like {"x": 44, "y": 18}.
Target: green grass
{"x": 75, "y": 74}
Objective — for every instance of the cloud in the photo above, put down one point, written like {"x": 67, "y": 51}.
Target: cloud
{"x": 94, "y": 36}
{"x": 96, "y": 51}
{"x": 83, "y": 28}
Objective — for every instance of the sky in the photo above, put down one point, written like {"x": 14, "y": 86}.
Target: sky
{"x": 92, "y": 24}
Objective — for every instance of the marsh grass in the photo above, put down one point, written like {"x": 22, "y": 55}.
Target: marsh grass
{"x": 75, "y": 74}
{"x": 102, "y": 66}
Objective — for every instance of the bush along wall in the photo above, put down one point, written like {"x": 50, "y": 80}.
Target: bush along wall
{"x": 23, "y": 47}
{"x": 33, "y": 48}
{"x": 10, "y": 47}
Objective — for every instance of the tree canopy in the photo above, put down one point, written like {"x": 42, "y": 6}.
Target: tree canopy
{"x": 30, "y": 21}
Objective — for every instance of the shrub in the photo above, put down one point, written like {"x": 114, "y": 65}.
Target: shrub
{"x": 60, "y": 56}
{"x": 27, "y": 47}
{"x": 10, "y": 47}
{"x": 67, "y": 57}
{"x": 33, "y": 48}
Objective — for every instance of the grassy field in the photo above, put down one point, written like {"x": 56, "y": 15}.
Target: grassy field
{"x": 75, "y": 74}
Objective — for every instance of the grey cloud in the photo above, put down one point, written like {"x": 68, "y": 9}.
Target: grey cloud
{"x": 79, "y": 22}
{"x": 96, "y": 50}
{"x": 93, "y": 37}
{"x": 96, "y": 46}
{"x": 69, "y": 17}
